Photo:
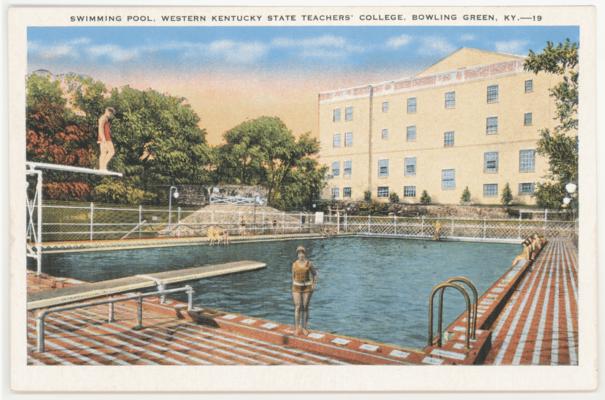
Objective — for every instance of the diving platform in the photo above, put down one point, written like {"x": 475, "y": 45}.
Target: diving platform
{"x": 87, "y": 291}
{"x": 70, "y": 168}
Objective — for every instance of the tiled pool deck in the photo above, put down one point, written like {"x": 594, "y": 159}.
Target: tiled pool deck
{"x": 528, "y": 316}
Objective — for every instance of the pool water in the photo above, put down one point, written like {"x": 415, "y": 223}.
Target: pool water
{"x": 368, "y": 287}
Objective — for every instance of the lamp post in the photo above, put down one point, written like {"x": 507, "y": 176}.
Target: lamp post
{"x": 170, "y": 196}
{"x": 570, "y": 188}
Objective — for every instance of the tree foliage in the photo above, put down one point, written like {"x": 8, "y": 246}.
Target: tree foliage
{"x": 263, "y": 151}
{"x": 159, "y": 143}
{"x": 55, "y": 135}
{"x": 559, "y": 145}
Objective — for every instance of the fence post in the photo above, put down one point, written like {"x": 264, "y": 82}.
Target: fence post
{"x": 422, "y": 226}
{"x": 92, "y": 211}
{"x": 369, "y": 223}
{"x": 300, "y": 221}
{"x": 484, "y": 228}
{"x": 178, "y": 215}
{"x": 283, "y": 222}
{"x": 519, "y": 233}
{"x": 346, "y": 223}
{"x": 452, "y": 228}
{"x": 140, "y": 219}
{"x": 394, "y": 224}
{"x": 337, "y": 222}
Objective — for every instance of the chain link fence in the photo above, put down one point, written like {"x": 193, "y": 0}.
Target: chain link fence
{"x": 90, "y": 221}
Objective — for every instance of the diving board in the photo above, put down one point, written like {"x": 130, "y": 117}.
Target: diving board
{"x": 93, "y": 290}
{"x": 71, "y": 168}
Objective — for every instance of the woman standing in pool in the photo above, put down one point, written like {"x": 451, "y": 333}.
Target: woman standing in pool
{"x": 304, "y": 281}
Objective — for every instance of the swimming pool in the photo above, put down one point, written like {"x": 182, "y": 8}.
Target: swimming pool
{"x": 371, "y": 288}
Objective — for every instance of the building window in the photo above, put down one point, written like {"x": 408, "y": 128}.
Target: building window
{"x": 335, "y": 193}
{"x": 490, "y": 162}
{"x": 527, "y": 119}
{"x": 491, "y": 125}
{"x": 335, "y": 168}
{"x": 448, "y": 139}
{"x": 450, "y": 100}
{"x": 410, "y": 166}
{"x": 410, "y": 133}
{"x": 383, "y": 167}
{"x": 448, "y": 179}
{"x": 526, "y": 188}
{"x": 346, "y": 192}
{"x": 348, "y": 139}
{"x": 409, "y": 191}
{"x": 385, "y": 134}
{"x": 385, "y": 106}
{"x": 492, "y": 94}
{"x": 490, "y": 190}
{"x": 527, "y": 160}
{"x": 383, "y": 191}
{"x": 336, "y": 140}
{"x": 411, "y": 105}
{"x": 347, "y": 168}
{"x": 529, "y": 86}
{"x": 336, "y": 115}
{"x": 349, "y": 113}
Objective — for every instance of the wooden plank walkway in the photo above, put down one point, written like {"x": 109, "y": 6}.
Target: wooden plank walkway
{"x": 539, "y": 325}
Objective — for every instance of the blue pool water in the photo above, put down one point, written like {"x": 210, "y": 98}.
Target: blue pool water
{"x": 368, "y": 287}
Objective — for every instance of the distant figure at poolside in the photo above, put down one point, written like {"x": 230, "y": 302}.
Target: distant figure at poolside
{"x": 304, "y": 281}
{"x": 525, "y": 253}
{"x": 104, "y": 138}
{"x": 242, "y": 227}
{"x": 226, "y": 236}
{"x": 437, "y": 234}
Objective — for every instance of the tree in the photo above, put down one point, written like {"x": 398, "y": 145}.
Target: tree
{"x": 157, "y": 137}
{"x": 559, "y": 145}
{"x": 425, "y": 198}
{"x": 367, "y": 196}
{"x": 394, "y": 198}
{"x": 55, "y": 135}
{"x": 264, "y": 152}
{"x": 507, "y": 195}
{"x": 158, "y": 142}
{"x": 466, "y": 196}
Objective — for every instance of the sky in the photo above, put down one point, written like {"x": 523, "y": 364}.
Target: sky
{"x": 230, "y": 74}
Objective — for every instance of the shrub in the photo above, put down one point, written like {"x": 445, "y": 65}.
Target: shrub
{"x": 507, "y": 195}
{"x": 466, "y": 196}
{"x": 394, "y": 198}
{"x": 425, "y": 198}
{"x": 367, "y": 196}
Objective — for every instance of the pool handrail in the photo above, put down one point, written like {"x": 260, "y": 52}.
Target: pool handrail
{"x": 441, "y": 287}
{"x": 40, "y": 318}
{"x": 473, "y": 314}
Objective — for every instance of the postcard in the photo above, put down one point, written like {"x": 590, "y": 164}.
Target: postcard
{"x": 354, "y": 198}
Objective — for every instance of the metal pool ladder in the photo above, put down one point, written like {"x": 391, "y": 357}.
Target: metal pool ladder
{"x": 471, "y": 308}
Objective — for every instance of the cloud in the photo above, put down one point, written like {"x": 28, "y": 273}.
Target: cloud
{"x": 113, "y": 52}
{"x": 237, "y": 52}
{"x": 320, "y": 46}
{"x": 512, "y": 46}
{"x": 467, "y": 37}
{"x": 65, "y": 49}
{"x": 396, "y": 42}
{"x": 435, "y": 46}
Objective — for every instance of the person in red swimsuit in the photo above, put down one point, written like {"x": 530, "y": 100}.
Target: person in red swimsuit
{"x": 104, "y": 138}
